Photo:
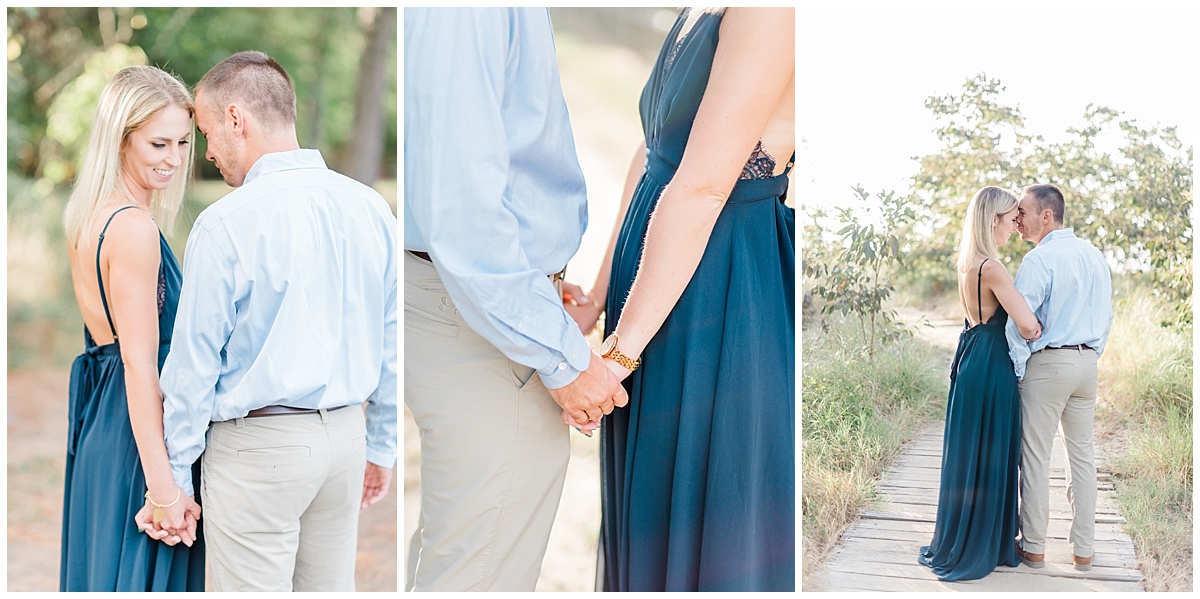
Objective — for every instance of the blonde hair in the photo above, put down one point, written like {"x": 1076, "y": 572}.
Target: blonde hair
{"x": 978, "y": 242}
{"x": 134, "y": 96}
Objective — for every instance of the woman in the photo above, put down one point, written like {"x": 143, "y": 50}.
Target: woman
{"x": 699, "y": 469}
{"x": 126, "y": 283}
{"x": 976, "y": 525}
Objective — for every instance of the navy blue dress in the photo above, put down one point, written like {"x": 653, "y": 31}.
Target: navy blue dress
{"x": 699, "y": 469}
{"x": 102, "y": 548}
{"x": 976, "y": 524}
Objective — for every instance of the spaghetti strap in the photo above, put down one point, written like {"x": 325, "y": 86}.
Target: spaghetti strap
{"x": 99, "y": 278}
{"x": 979, "y": 290}
{"x": 791, "y": 162}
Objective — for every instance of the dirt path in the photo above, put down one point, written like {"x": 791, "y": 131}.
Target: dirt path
{"x": 37, "y": 419}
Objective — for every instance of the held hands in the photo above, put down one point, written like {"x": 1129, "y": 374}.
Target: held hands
{"x": 582, "y": 307}
{"x": 596, "y": 392}
{"x": 178, "y": 522}
{"x": 587, "y": 428}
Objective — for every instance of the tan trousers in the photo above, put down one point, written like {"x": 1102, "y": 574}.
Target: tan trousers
{"x": 494, "y": 450}
{"x": 281, "y": 497}
{"x": 1059, "y": 387}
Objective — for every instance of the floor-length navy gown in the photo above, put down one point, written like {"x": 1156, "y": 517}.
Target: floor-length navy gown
{"x": 699, "y": 468}
{"x": 102, "y": 548}
{"x": 976, "y": 525}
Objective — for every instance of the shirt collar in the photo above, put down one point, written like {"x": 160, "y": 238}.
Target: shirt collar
{"x": 1057, "y": 234}
{"x": 284, "y": 161}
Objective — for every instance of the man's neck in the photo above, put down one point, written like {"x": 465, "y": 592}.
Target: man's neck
{"x": 272, "y": 145}
{"x": 1050, "y": 232}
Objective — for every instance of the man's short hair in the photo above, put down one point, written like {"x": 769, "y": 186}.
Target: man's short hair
{"x": 1048, "y": 197}
{"x": 254, "y": 79}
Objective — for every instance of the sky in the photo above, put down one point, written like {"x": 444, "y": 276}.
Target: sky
{"x": 865, "y": 73}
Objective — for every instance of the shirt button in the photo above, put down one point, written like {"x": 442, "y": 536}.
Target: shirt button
{"x": 562, "y": 366}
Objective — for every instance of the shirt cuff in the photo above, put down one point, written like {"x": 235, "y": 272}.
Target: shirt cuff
{"x": 383, "y": 459}
{"x": 183, "y": 478}
{"x": 566, "y": 367}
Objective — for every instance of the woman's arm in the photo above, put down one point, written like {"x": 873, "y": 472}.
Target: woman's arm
{"x": 753, "y": 65}
{"x": 133, "y": 258}
{"x": 995, "y": 276}
{"x": 587, "y": 308}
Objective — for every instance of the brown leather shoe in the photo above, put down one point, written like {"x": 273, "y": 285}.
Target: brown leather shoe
{"x": 1083, "y": 564}
{"x": 1033, "y": 560}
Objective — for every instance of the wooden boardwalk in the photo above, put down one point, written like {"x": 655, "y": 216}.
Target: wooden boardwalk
{"x": 879, "y": 551}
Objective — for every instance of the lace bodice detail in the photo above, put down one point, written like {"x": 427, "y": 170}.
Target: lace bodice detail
{"x": 761, "y": 165}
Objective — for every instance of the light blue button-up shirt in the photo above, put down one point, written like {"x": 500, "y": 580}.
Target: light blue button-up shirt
{"x": 1067, "y": 284}
{"x": 492, "y": 186}
{"x": 288, "y": 298}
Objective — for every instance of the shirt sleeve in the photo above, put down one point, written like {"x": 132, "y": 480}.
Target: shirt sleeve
{"x": 203, "y": 324}
{"x": 381, "y": 405}
{"x": 1033, "y": 283}
{"x": 456, "y": 141}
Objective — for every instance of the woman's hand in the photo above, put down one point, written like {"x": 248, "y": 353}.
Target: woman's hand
{"x": 177, "y": 524}
{"x": 584, "y": 429}
{"x": 1036, "y": 334}
{"x": 582, "y": 307}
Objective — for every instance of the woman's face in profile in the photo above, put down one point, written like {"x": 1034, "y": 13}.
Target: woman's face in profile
{"x": 1005, "y": 226}
{"x": 153, "y": 152}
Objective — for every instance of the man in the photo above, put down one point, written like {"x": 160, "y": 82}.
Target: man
{"x": 494, "y": 206}
{"x": 1067, "y": 284}
{"x": 286, "y": 326}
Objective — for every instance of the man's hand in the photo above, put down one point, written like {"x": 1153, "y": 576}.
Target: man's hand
{"x": 594, "y": 393}
{"x": 376, "y": 481}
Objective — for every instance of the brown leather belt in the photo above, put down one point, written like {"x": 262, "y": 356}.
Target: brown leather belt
{"x": 554, "y": 278}
{"x": 285, "y": 410}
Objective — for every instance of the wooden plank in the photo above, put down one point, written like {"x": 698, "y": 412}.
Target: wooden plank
{"x": 879, "y": 551}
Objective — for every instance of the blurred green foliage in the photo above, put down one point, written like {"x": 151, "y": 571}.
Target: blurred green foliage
{"x": 857, "y": 277}
{"x": 1127, "y": 187}
{"x": 60, "y": 58}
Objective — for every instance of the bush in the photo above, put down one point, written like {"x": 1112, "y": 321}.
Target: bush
{"x": 855, "y": 416}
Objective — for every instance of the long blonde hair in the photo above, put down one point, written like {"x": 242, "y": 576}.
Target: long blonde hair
{"x": 133, "y": 97}
{"x": 978, "y": 242}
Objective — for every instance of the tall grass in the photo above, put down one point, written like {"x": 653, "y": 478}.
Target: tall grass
{"x": 1146, "y": 374}
{"x": 856, "y": 413}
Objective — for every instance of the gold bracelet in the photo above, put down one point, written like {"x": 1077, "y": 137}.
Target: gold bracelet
{"x": 159, "y": 514}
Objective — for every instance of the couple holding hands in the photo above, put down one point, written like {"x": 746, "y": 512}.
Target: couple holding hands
{"x": 280, "y": 327}
{"x": 695, "y": 382}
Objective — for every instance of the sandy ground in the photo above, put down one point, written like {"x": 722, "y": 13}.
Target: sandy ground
{"x": 37, "y": 423}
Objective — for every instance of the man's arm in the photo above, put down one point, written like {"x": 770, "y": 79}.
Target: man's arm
{"x": 381, "y": 405}
{"x": 456, "y": 143}
{"x": 203, "y": 324}
{"x": 1033, "y": 283}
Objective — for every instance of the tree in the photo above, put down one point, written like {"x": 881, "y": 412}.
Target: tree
{"x": 1133, "y": 203}
{"x": 363, "y": 159}
{"x": 855, "y": 279}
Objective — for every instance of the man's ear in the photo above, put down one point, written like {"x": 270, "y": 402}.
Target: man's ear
{"x": 237, "y": 118}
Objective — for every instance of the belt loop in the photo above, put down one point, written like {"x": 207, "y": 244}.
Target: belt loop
{"x": 239, "y": 422}
{"x": 324, "y": 416}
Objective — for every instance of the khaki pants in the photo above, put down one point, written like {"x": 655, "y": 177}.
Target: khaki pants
{"x": 281, "y": 497}
{"x": 494, "y": 450}
{"x": 1059, "y": 387}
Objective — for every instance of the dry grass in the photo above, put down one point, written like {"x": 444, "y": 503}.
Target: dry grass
{"x": 1146, "y": 381}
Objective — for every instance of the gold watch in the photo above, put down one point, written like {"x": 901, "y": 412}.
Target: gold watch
{"x": 609, "y": 350}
